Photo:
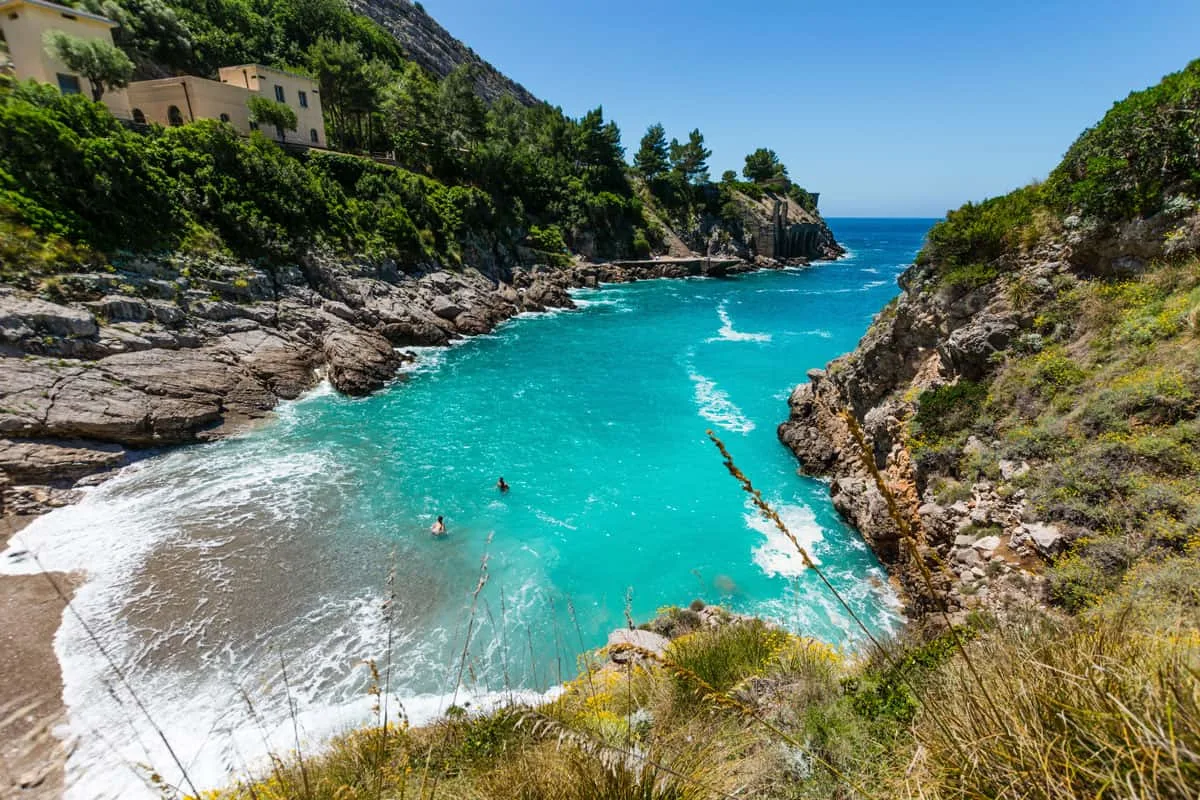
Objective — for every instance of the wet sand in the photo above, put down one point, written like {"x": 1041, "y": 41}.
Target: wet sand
{"x": 31, "y": 758}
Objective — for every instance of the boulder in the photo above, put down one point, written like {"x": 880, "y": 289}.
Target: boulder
{"x": 44, "y": 461}
{"x": 359, "y": 362}
{"x": 1047, "y": 539}
{"x": 968, "y": 557}
{"x": 414, "y": 333}
{"x": 21, "y": 318}
{"x": 339, "y": 310}
{"x": 1011, "y": 469}
{"x": 543, "y": 294}
{"x": 471, "y": 324}
{"x": 445, "y": 308}
{"x": 987, "y": 545}
{"x": 120, "y": 308}
{"x": 645, "y": 640}
{"x": 970, "y": 348}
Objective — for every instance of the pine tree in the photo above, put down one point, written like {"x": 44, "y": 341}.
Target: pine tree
{"x": 764, "y": 165}
{"x": 691, "y": 160}
{"x": 652, "y": 159}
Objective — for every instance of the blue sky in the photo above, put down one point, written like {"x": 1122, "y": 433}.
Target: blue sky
{"x": 886, "y": 108}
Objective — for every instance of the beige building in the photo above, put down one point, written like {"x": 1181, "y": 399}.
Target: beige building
{"x": 168, "y": 101}
{"x": 23, "y": 27}
{"x": 297, "y": 91}
{"x": 177, "y": 101}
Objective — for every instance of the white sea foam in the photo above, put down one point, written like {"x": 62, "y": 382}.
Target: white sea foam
{"x": 614, "y": 303}
{"x": 727, "y": 332}
{"x": 188, "y": 675}
{"x": 777, "y": 556}
{"x": 109, "y": 535}
{"x": 716, "y": 406}
{"x": 426, "y": 359}
{"x": 818, "y": 332}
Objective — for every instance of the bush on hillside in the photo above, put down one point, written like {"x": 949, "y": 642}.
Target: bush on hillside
{"x": 1146, "y": 149}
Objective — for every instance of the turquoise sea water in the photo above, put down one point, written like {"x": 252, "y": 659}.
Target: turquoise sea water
{"x": 209, "y": 566}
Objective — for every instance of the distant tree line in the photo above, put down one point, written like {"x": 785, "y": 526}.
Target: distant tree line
{"x": 529, "y": 175}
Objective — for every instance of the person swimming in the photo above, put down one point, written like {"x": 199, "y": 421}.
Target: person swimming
{"x": 501, "y": 485}
{"x": 439, "y": 528}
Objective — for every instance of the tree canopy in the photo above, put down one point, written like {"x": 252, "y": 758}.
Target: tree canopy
{"x": 690, "y": 159}
{"x": 764, "y": 165}
{"x": 652, "y": 159}
{"x": 265, "y": 111}
{"x": 103, "y": 64}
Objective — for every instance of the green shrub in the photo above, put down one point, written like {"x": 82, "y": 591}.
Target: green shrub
{"x": 979, "y": 233}
{"x": 948, "y": 409}
{"x": 1092, "y": 570}
{"x": 1144, "y": 150}
{"x": 725, "y": 656}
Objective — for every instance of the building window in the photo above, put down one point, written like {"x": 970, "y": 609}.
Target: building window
{"x": 224, "y": 118}
{"x": 279, "y": 94}
{"x": 139, "y": 116}
{"x": 304, "y": 99}
{"x": 174, "y": 116}
{"x": 312, "y": 134}
{"x": 68, "y": 84}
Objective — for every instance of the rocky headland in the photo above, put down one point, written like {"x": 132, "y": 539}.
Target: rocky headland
{"x": 929, "y": 431}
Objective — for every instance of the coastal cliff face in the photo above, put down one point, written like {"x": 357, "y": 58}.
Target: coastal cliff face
{"x": 766, "y": 229}
{"x": 956, "y": 435}
{"x": 429, "y": 44}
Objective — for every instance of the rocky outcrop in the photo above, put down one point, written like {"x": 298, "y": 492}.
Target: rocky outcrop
{"x": 430, "y": 45}
{"x": 849, "y": 422}
{"x": 765, "y": 229}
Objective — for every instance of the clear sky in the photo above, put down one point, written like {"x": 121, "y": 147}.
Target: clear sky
{"x": 886, "y": 108}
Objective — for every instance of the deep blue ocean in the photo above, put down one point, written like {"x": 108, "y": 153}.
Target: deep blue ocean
{"x": 209, "y": 565}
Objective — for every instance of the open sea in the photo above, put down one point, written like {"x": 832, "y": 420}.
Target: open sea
{"x": 211, "y": 566}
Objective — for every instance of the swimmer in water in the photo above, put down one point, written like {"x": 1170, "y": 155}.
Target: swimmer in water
{"x": 439, "y": 528}
{"x": 501, "y": 485}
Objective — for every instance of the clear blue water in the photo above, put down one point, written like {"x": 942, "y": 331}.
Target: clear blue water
{"x": 209, "y": 564}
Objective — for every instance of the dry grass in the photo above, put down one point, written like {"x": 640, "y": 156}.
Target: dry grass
{"x": 1106, "y": 705}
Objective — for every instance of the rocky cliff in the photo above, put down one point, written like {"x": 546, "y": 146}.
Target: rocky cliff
{"x": 765, "y": 229}
{"x": 430, "y": 45}
{"x": 960, "y": 435}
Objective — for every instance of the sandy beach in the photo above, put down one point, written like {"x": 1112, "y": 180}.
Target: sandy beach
{"x": 31, "y": 758}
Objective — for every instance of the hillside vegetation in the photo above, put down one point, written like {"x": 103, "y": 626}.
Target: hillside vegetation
{"x": 1094, "y": 392}
{"x": 1099, "y": 390}
{"x": 466, "y": 181}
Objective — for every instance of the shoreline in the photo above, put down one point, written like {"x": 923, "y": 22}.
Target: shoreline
{"x": 32, "y": 610}
{"x": 32, "y": 758}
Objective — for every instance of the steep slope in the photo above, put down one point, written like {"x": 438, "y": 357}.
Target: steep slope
{"x": 1032, "y": 396}
{"x": 430, "y": 45}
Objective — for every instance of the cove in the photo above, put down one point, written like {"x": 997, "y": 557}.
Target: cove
{"x": 209, "y": 567}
